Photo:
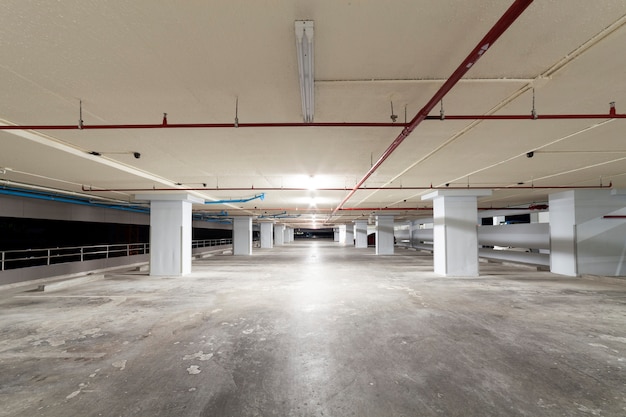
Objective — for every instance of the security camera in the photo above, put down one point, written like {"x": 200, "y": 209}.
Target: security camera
{"x": 137, "y": 155}
{"x": 530, "y": 154}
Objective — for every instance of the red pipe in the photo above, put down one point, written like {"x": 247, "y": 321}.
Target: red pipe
{"x": 514, "y": 187}
{"x": 197, "y": 125}
{"x": 496, "y": 31}
{"x": 529, "y": 117}
{"x": 317, "y": 124}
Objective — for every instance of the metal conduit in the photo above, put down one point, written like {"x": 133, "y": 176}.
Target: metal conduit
{"x": 318, "y": 124}
{"x": 496, "y": 31}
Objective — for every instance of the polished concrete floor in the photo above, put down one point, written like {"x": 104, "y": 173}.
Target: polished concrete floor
{"x": 316, "y": 329}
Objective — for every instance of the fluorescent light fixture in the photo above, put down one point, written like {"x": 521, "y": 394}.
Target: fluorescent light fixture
{"x": 304, "y": 46}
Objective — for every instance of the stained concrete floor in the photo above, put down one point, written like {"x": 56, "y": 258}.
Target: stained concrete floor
{"x": 316, "y": 329}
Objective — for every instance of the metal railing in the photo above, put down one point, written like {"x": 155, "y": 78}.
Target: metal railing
{"x": 210, "y": 242}
{"x": 14, "y": 259}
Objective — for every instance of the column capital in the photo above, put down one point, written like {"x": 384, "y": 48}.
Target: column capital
{"x": 169, "y": 197}
{"x": 457, "y": 193}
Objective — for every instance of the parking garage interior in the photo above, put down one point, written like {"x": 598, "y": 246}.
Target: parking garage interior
{"x": 337, "y": 208}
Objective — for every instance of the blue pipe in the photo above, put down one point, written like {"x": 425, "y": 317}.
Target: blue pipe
{"x": 216, "y": 218}
{"x": 240, "y": 200}
{"x": 51, "y": 197}
{"x": 282, "y": 215}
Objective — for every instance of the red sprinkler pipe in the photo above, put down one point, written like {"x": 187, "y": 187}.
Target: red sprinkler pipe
{"x": 166, "y": 125}
{"x": 315, "y": 124}
{"x": 513, "y": 187}
{"x": 529, "y": 116}
{"x": 496, "y": 31}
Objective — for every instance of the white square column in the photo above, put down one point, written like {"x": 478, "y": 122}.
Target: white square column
{"x": 279, "y": 234}
{"x": 360, "y": 231}
{"x": 342, "y": 233}
{"x": 384, "y": 235}
{"x": 335, "y": 234}
{"x": 267, "y": 235}
{"x": 242, "y": 235}
{"x": 349, "y": 235}
{"x": 455, "y": 235}
{"x": 286, "y": 235}
{"x": 588, "y": 232}
{"x": 170, "y": 233}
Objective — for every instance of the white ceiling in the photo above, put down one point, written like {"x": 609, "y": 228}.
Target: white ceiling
{"x": 130, "y": 62}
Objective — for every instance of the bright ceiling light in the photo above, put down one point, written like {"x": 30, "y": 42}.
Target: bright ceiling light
{"x": 304, "y": 46}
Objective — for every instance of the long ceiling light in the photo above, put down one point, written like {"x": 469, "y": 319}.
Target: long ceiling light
{"x": 304, "y": 46}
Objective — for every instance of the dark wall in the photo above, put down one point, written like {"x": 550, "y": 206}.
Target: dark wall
{"x": 23, "y": 233}
{"x": 206, "y": 234}
{"x": 302, "y": 233}
{"x": 520, "y": 218}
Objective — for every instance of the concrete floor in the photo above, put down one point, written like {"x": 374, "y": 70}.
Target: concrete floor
{"x": 316, "y": 329}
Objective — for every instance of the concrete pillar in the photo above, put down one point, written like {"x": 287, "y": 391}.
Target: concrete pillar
{"x": 170, "y": 233}
{"x": 242, "y": 235}
{"x": 267, "y": 235}
{"x": 336, "y": 234}
{"x": 349, "y": 235}
{"x": 279, "y": 234}
{"x": 360, "y": 232}
{"x": 342, "y": 233}
{"x": 286, "y": 235}
{"x": 582, "y": 239}
{"x": 455, "y": 236}
{"x": 291, "y": 234}
{"x": 384, "y": 235}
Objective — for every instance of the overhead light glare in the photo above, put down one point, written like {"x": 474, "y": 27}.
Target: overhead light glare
{"x": 304, "y": 47}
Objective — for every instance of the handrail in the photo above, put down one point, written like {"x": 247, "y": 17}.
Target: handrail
{"x": 210, "y": 242}
{"x": 23, "y": 258}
